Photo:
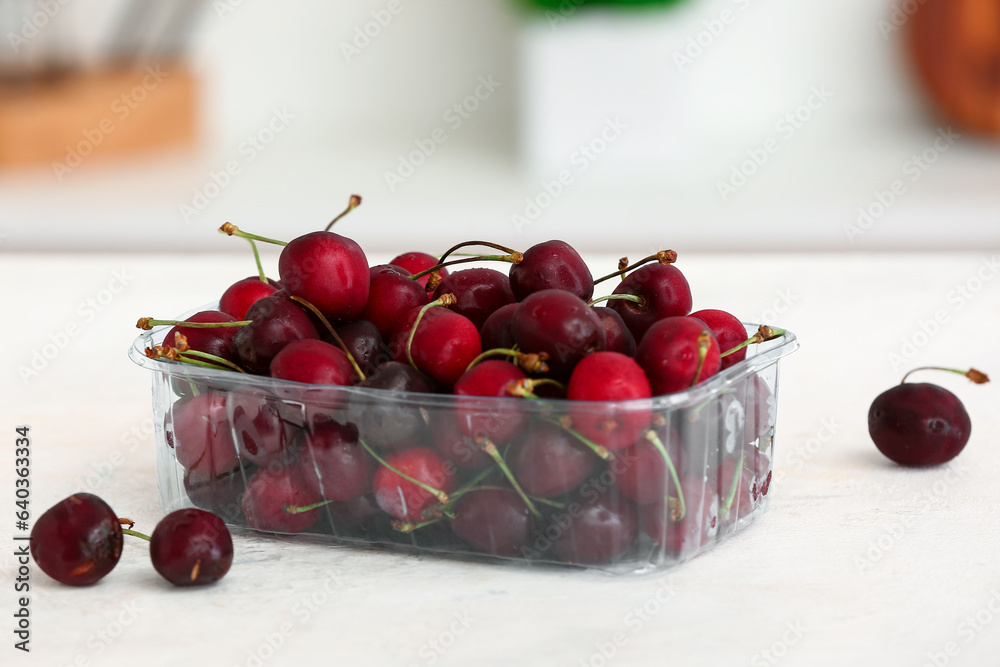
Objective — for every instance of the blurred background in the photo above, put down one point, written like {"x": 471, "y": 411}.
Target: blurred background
{"x": 694, "y": 124}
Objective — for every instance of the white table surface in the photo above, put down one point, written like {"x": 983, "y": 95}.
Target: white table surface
{"x": 857, "y": 562}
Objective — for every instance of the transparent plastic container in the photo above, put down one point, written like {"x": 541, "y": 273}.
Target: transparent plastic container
{"x": 258, "y": 452}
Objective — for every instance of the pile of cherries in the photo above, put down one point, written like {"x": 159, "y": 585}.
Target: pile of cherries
{"x": 503, "y": 412}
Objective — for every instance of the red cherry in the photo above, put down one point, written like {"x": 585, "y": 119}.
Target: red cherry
{"x": 333, "y": 464}
{"x": 444, "y": 345}
{"x": 365, "y": 342}
{"x": 494, "y": 521}
{"x": 602, "y": 530}
{"x": 400, "y": 497}
{"x": 418, "y": 262}
{"x": 551, "y": 265}
{"x": 728, "y": 330}
{"x": 269, "y": 494}
{"x": 392, "y": 295}
{"x": 559, "y": 324}
{"x": 477, "y": 419}
{"x": 77, "y": 541}
{"x": 699, "y": 525}
{"x": 617, "y": 335}
{"x": 218, "y": 341}
{"x": 641, "y": 471}
{"x": 390, "y": 424}
{"x": 242, "y": 294}
{"x": 329, "y": 271}
{"x": 609, "y": 376}
{"x": 313, "y": 362}
{"x": 671, "y": 353}
{"x": 262, "y": 432}
{"x": 547, "y": 461}
{"x": 202, "y": 438}
{"x": 664, "y": 292}
{"x": 495, "y": 332}
{"x": 191, "y": 547}
{"x": 478, "y": 292}
{"x": 919, "y": 424}
{"x": 276, "y": 322}
{"x": 453, "y": 444}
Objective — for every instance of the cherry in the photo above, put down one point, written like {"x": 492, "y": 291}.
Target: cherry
{"x": 271, "y": 492}
{"x": 191, "y": 547}
{"x": 496, "y": 332}
{"x": 480, "y": 419}
{"x": 333, "y": 464}
{"x": 418, "y": 262}
{"x": 329, "y": 271}
{"x": 602, "y": 530}
{"x": 642, "y": 471}
{"x": 359, "y": 516}
{"x": 313, "y": 362}
{"x": 363, "y": 340}
{"x": 390, "y": 424}
{"x": 453, "y": 444}
{"x": 739, "y": 487}
{"x": 78, "y": 540}
{"x": 664, "y": 292}
{"x": 617, "y": 336}
{"x": 609, "y": 376}
{"x": 478, "y": 293}
{"x": 262, "y": 432}
{"x": 559, "y": 324}
{"x": 551, "y": 265}
{"x": 404, "y": 499}
{"x": 548, "y": 461}
{"x": 684, "y": 534}
{"x": 276, "y": 322}
{"x": 921, "y": 424}
{"x": 216, "y": 341}
{"x": 393, "y": 294}
{"x": 494, "y": 521}
{"x": 728, "y": 330}
{"x": 242, "y": 294}
{"x": 202, "y": 439}
{"x": 221, "y": 495}
{"x": 443, "y": 344}
{"x": 678, "y": 353}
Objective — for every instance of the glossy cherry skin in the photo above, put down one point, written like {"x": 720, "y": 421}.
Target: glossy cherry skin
{"x": 78, "y": 540}
{"x": 728, "y": 330}
{"x": 551, "y": 265}
{"x": 453, "y": 444}
{"x": 400, "y": 497}
{"x": 313, "y": 362}
{"x": 559, "y": 324}
{"x": 617, "y": 336}
{"x": 392, "y": 295}
{"x": 389, "y": 424}
{"x": 191, "y": 547}
{"x": 276, "y": 322}
{"x": 602, "y": 530}
{"x": 479, "y": 419}
{"x": 263, "y": 434}
{"x": 670, "y": 353}
{"x": 478, "y": 292}
{"x": 270, "y": 491}
{"x": 919, "y": 424}
{"x": 418, "y": 262}
{"x": 444, "y": 345}
{"x": 202, "y": 439}
{"x": 242, "y": 294}
{"x": 665, "y": 293}
{"x": 687, "y": 533}
{"x": 333, "y": 464}
{"x": 329, "y": 271}
{"x": 220, "y": 341}
{"x": 363, "y": 340}
{"x": 609, "y": 377}
{"x": 494, "y": 521}
{"x": 547, "y": 461}
{"x": 495, "y": 332}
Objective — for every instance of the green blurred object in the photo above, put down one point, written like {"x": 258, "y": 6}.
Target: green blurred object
{"x": 573, "y": 4}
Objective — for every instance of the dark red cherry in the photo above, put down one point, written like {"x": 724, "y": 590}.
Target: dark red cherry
{"x": 641, "y": 471}
{"x": 739, "y": 488}
{"x": 444, "y": 345}
{"x": 329, "y": 271}
{"x": 400, "y": 497}
{"x": 609, "y": 377}
{"x": 453, "y": 444}
{"x": 684, "y": 534}
{"x": 483, "y": 419}
{"x": 617, "y": 336}
{"x": 263, "y": 434}
{"x": 202, "y": 437}
{"x": 478, "y": 292}
{"x": 919, "y": 424}
{"x": 392, "y": 295}
{"x": 359, "y": 517}
{"x": 78, "y": 540}
{"x": 664, "y": 292}
{"x": 218, "y": 341}
{"x": 191, "y": 547}
{"x": 495, "y": 332}
{"x": 365, "y": 343}
{"x": 548, "y": 461}
{"x": 276, "y": 322}
{"x": 242, "y": 294}
{"x": 333, "y": 464}
{"x": 602, "y": 530}
{"x": 221, "y": 495}
{"x": 677, "y": 353}
{"x": 559, "y": 324}
{"x": 494, "y": 521}
{"x": 389, "y": 423}
{"x": 418, "y": 262}
{"x": 728, "y": 330}
{"x": 269, "y": 495}
{"x": 551, "y": 265}
{"x": 313, "y": 362}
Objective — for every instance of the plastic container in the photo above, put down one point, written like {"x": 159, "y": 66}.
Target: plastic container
{"x": 253, "y": 449}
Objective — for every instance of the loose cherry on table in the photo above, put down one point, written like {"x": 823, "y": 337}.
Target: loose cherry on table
{"x": 191, "y": 547}
{"x": 77, "y": 541}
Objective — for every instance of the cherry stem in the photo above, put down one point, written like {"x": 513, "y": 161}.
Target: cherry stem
{"x": 526, "y": 388}
{"x": 764, "y": 333}
{"x": 600, "y": 450}
{"x": 302, "y": 509}
{"x": 210, "y": 357}
{"x": 354, "y": 202}
{"x": 624, "y": 297}
{"x": 136, "y": 533}
{"x": 256, "y": 258}
{"x": 536, "y": 499}
{"x": 704, "y": 343}
{"x": 487, "y": 446}
{"x": 488, "y": 244}
{"x": 333, "y": 333}
{"x": 529, "y": 361}
{"x": 655, "y": 439}
{"x": 409, "y": 527}
{"x": 147, "y": 323}
{"x": 976, "y": 376}
{"x": 229, "y": 229}
{"x": 437, "y": 493}
{"x": 514, "y": 258}
{"x": 663, "y": 257}
{"x": 733, "y": 487}
{"x": 445, "y": 300}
